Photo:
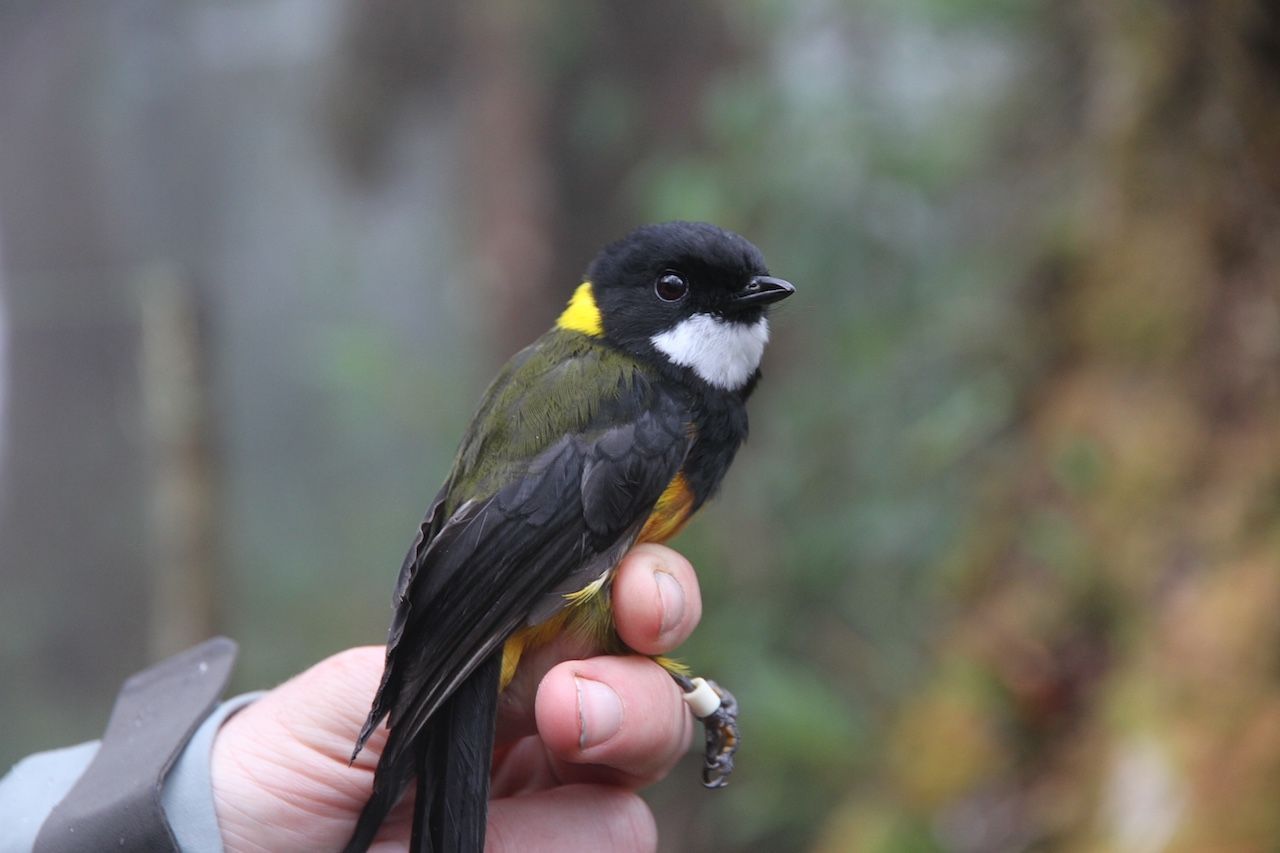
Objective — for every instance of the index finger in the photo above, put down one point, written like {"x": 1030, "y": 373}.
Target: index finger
{"x": 656, "y": 600}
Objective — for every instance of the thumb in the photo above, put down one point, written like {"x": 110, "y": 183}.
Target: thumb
{"x": 280, "y": 767}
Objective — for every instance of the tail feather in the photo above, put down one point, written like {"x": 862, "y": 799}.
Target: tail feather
{"x": 457, "y": 782}
{"x": 452, "y": 759}
{"x": 390, "y": 780}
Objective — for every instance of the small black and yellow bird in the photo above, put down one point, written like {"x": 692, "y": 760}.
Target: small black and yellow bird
{"x": 610, "y": 430}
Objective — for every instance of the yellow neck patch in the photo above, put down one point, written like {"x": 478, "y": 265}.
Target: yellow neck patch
{"x": 582, "y": 315}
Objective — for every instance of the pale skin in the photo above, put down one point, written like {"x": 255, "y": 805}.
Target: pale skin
{"x": 578, "y": 735}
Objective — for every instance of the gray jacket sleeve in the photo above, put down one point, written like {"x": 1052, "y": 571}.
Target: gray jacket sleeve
{"x": 48, "y": 782}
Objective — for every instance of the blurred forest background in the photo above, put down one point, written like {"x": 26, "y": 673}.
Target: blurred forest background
{"x": 1000, "y": 566}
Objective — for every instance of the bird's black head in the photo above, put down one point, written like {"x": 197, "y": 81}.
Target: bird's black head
{"x": 688, "y": 292}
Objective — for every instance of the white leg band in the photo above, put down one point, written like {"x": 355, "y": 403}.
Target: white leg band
{"x": 702, "y": 700}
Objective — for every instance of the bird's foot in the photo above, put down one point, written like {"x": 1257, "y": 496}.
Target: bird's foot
{"x": 718, "y": 711}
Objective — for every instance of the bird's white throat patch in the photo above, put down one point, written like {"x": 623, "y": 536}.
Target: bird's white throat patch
{"x": 725, "y": 354}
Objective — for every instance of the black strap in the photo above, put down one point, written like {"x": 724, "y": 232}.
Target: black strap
{"x": 115, "y": 805}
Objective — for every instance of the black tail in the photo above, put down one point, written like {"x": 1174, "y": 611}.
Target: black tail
{"x": 451, "y": 759}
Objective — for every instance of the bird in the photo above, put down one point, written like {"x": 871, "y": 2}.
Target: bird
{"x": 611, "y": 429}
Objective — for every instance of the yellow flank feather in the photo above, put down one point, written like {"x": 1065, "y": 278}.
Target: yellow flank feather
{"x": 587, "y": 614}
{"x": 670, "y": 513}
{"x": 582, "y": 314}
{"x": 529, "y": 638}
{"x": 584, "y": 595}
{"x": 675, "y": 666}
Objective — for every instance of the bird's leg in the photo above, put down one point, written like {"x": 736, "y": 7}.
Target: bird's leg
{"x": 718, "y": 711}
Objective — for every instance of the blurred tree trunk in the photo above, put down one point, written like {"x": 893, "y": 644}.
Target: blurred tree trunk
{"x": 561, "y": 103}
{"x": 71, "y": 559}
{"x": 102, "y": 156}
{"x": 183, "y": 511}
{"x": 507, "y": 182}
{"x": 1111, "y": 676}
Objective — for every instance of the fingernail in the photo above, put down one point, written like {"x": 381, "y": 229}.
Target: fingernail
{"x": 599, "y": 713}
{"x": 671, "y": 596}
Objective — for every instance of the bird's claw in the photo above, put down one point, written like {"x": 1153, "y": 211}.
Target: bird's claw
{"x": 721, "y": 727}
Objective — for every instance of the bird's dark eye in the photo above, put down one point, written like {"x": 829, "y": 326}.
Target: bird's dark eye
{"x": 670, "y": 287}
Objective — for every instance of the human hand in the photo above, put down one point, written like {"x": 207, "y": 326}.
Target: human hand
{"x": 576, "y": 738}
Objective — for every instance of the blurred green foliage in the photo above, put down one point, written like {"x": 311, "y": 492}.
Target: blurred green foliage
{"x": 848, "y": 147}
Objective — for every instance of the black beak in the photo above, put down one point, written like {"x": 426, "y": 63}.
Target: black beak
{"x": 763, "y": 290}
